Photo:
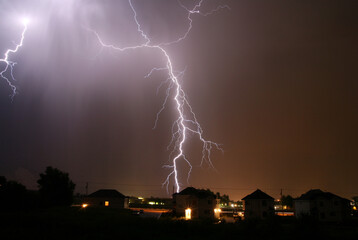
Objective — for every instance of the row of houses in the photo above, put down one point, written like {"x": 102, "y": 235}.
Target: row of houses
{"x": 193, "y": 203}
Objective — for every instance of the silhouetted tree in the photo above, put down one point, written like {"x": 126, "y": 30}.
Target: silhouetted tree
{"x": 12, "y": 194}
{"x": 56, "y": 188}
{"x": 218, "y": 196}
{"x": 287, "y": 201}
{"x": 224, "y": 199}
{"x": 2, "y": 180}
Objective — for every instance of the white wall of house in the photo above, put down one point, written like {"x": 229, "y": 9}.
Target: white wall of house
{"x": 112, "y": 202}
{"x": 258, "y": 208}
{"x": 302, "y": 207}
{"x": 200, "y": 207}
{"x": 325, "y": 210}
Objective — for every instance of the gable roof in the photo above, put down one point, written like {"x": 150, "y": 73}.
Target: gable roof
{"x": 109, "y": 193}
{"x": 317, "y": 193}
{"x": 200, "y": 193}
{"x": 258, "y": 194}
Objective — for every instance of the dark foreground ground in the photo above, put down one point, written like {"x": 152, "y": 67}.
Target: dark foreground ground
{"x": 76, "y": 223}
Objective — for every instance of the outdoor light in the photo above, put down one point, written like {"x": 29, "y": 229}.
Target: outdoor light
{"x": 84, "y": 205}
{"x": 188, "y": 214}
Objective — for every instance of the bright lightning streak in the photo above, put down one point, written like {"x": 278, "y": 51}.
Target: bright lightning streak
{"x": 9, "y": 65}
{"x": 186, "y": 122}
{"x": 195, "y": 10}
{"x": 25, "y": 21}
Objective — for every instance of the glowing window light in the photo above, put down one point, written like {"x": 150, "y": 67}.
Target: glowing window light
{"x": 188, "y": 214}
{"x": 151, "y": 203}
{"x": 106, "y": 203}
{"x": 84, "y": 205}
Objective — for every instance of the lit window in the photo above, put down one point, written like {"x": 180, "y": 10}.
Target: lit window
{"x": 106, "y": 203}
{"x": 187, "y": 213}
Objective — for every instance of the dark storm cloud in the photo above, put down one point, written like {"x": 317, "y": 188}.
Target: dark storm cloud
{"x": 273, "y": 81}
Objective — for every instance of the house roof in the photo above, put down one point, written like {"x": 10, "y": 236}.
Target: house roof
{"x": 200, "y": 193}
{"x": 109, "y": 193}
{"x": 258, "y": 194}
{"x": 317, "y": 193}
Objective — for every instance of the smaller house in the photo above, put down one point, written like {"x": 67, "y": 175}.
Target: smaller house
{"x": 107, "y": 198}
{"x": 196, "y": 203}
{"x": 323, "y": 206}
{"x": 258, "y": 205}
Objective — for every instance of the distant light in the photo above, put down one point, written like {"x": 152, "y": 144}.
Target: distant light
{"x": 140, "y": 198}
{"x": 217, "y": 210}
{"x": 84, "y": 205}
{"x": 106, "y": 203}
{"x": 354, "y": 208}
{"x": 188, "y": 214}
{"x": 151, "y": 203}
{"x": 232, "y": 205}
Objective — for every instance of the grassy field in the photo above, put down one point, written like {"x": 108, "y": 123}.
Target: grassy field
{"x": 92, "y": 223}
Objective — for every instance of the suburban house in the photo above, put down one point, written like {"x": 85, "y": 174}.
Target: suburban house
{"x": 324, "y": 206}
{"x": 106, "y": 198}
{"x": 196, "y": 203}
{"x": 258, "y": 205}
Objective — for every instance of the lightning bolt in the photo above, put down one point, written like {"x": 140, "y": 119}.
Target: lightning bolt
{"x": 187, "y": 122}
{"x": 9, "y": 65}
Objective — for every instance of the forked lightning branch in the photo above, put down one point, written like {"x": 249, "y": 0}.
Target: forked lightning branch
{"x": 186, "y": 122}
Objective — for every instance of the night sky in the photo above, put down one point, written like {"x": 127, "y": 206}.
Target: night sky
{"x": 273, "y": 81}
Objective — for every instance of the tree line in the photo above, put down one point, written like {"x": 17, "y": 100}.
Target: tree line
{"x": 55, "y": 188}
